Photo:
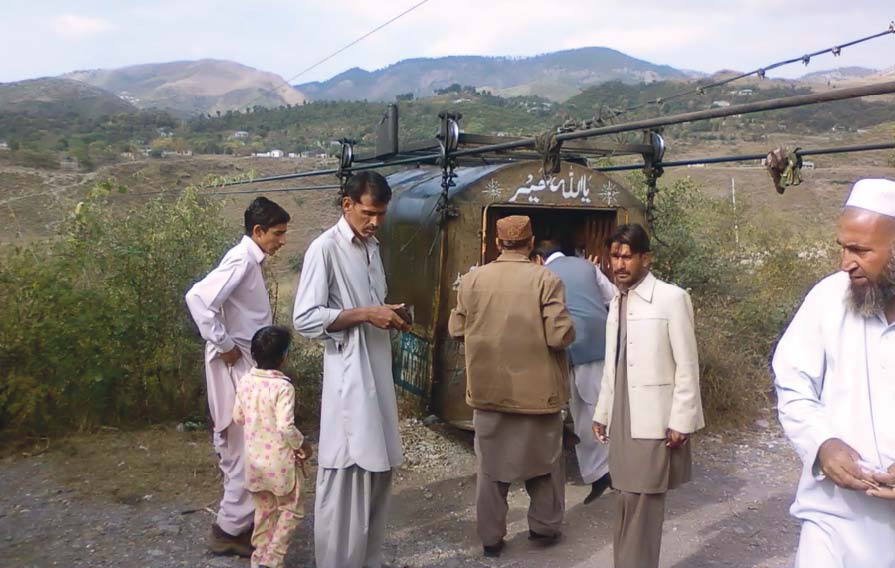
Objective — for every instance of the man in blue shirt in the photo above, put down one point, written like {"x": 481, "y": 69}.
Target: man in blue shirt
{"x": 588, "y": 292}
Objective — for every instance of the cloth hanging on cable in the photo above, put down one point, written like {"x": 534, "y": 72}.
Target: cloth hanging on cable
{"x": 784, "y": 167}
{"x": 547, "y": 145}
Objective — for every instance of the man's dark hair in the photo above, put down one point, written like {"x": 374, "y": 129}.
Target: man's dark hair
{"x": 262, "y": 211}
{"x": 633, "y": 235}
{"x": 368, "y": 182}
{"x": 269, "y": 346}
{"x": 548, "y": 246}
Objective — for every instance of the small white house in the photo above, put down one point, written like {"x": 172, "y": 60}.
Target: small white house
{"x": 275, "y": 153}
{"x": 4, "y": 145}
{"x": 721, "y": 104}
{"x": 240, "y": 134}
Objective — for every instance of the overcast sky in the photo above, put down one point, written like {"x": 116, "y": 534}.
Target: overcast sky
{"x": 49, "y": 37}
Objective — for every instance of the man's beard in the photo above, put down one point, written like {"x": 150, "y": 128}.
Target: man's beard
{"x": 872, "y": 298}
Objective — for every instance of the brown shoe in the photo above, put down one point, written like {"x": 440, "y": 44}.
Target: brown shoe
{"x": 220, "y": 542}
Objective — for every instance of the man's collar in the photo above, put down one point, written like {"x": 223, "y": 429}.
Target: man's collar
{"x": 255, "y": 251}
{"x": 512, "y": 256}
{"x": 553, "y": 256}
{"x": 645, "y": 287}
{"x": 344, "y": 229}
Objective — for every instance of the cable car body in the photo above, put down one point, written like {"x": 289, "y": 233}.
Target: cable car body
{"x": 429, "y": 244}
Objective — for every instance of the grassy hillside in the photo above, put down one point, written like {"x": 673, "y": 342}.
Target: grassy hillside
{"x": 44, "y": 120}
{"x": 314, "y": 126}
{"x": 44, "y": 134}
{"x": 54, "y": 96}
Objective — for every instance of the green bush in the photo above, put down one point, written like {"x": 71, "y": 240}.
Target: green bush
{"x": 94, "y": 329}
{"x": 36, "y": 159}
{"x": 743, "y": 294}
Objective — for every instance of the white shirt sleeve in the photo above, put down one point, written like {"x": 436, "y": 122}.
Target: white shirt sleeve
{"x": 206, "y": 298}
{"x": 607, "y": 288}
{"x": 312, "y": 315}
{"x": 799, "y": 365}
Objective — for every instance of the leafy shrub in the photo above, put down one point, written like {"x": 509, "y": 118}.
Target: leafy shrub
{"x": 94, "y": 329}
{"x": 744, "y": 294}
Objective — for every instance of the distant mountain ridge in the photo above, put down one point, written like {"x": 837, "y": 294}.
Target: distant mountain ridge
{"x": 558, "y": 75}
{"x": 839, "y": 75}
{"x": 208, "y": 86}
{"x": 192, "y": 87}
{"x": 54, "y": 96}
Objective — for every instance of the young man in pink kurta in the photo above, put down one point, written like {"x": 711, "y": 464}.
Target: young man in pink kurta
{"x": 265, "y": 407}
{"x": 229, "y": 305}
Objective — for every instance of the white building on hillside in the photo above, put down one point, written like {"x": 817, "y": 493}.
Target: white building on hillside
{"x": 275, "y": 153}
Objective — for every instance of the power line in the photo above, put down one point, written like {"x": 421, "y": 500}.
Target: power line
{"x": 355, "y": 42}
{"x": 750, "y": 157}
{"x": 627, "y": 167}
{"x": 358, "y": 40}
{"x": 237, "y": 192}
{"x": 700, "y": 89}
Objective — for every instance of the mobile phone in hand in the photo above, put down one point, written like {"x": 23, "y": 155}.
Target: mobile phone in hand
{"x": 405, "y": 314}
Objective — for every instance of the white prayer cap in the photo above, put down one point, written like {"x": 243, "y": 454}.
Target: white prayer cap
{"x": 876, "y": 195}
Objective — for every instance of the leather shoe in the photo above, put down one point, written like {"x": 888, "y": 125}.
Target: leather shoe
{"x": 494, "y": 550}
{"x": 544, "y": 539}
{"x": 598, "y": 487}
{"x": 222, "y": 543}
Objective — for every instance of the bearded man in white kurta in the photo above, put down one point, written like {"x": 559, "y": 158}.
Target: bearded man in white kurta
{"x": 229, "y": 305}
{"x": 835, "y": 379}
{"x": 341, "y": 300}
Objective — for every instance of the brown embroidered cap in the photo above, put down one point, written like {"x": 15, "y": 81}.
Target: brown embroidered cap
{"x": 514, "y": 228}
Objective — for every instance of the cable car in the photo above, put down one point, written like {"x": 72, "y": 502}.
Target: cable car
{"x": 427, "y": 250}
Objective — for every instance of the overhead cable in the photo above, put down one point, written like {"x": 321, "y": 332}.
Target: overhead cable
{"x": 626, "y": 167}
{"x": 749, "y": 157}
{"x": 353, "y": 43}
{"x": 760, "y": 72}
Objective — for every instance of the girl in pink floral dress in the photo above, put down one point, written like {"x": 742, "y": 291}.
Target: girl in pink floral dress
{"x": 265, "y": 405}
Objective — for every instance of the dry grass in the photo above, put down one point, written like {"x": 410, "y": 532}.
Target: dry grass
{"x": 129, "y": 467}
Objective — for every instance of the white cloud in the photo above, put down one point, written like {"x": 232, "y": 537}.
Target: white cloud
{"x": 74, "y": 26}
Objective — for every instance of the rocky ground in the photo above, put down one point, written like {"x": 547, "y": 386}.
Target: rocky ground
{"x": 145, "y": 499}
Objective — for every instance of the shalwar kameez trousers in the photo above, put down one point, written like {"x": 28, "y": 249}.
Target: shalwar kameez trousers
{"x": 514, "y": 448}
{"x": 642, "y": 471}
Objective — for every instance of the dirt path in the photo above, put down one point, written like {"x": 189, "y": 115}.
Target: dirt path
{"x": 138, "y": 500}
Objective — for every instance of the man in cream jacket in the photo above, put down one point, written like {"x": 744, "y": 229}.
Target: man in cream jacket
{"x": 649, "y": 399}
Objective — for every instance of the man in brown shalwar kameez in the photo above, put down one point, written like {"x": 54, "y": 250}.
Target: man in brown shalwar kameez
{"x": 649, "y": 400}
{"x": 512, "y": 317}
